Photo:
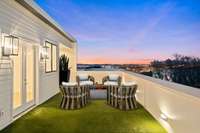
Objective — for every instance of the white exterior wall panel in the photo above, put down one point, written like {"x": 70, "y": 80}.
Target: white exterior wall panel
{"x": 18, "y": 21}
{"x": 5, "y": 93}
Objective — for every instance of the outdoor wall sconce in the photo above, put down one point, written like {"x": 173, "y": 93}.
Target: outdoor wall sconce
{"x": 10, "y": 46}
{"x": 44, "y": 52}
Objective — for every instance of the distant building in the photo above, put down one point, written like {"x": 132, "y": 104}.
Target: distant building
{"x": 138, "y": 68}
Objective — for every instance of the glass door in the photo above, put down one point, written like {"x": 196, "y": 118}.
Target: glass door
{"x": 17, "y": 79}
{"x": 29, "y": 74}
{"x": 23, "y": 78}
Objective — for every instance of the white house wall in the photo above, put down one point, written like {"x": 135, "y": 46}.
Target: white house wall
{"x": 5, "y": 93}
{"x": 48, "y": 82}
{"x": 18, "y": 21}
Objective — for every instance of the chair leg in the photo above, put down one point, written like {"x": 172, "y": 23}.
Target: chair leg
{"x": 61, "y": 102}
{"x": 85, "y": 99}
{"x": 88, "y": 94}
{"x": 121, "y": 103}
{"x": 107, "y": 95}
{"x": 112, "y": 101}
{"x": 126, "y": 102}
{"x": 72, "y": 104}
{"x": 75, "y": 103}
{"x": 131, "y": 103}
{"x": 67, "y": 103}
{"x": 135, "y": 102}
{"x": 116, "y": 102}
{"x": 82, "y": 101}
{"x": 64, "y": 102}
{"x": 78, "y": 102}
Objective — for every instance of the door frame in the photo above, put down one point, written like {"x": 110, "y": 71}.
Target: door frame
{"x": 26, "y": 105}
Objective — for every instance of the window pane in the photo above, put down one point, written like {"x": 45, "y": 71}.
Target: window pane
{"x": 54, "y": 60}
{"x": 48, "y": 61}
{"x": 17, "y": 75}
{"x": 7, "y": 46}
{"x": 15, "y": 46}
{"x": 29, "y": 73}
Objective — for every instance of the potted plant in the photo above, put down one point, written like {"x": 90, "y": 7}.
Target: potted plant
{"x": 64, "y": 69}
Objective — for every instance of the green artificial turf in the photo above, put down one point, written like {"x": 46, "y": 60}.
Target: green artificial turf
{"x": 97, "y": 117}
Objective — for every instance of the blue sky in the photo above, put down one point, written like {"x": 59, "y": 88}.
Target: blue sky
{"x": 129, "y": 31}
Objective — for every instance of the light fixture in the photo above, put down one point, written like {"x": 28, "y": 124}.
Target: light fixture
{"x": 10, "y": 46}
{"x": 44, "y": 52}
{"x": 163, "y": 117}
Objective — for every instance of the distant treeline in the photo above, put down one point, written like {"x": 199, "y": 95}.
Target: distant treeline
{"x": 182, "y": 69}
{"x": 178, "y": 61}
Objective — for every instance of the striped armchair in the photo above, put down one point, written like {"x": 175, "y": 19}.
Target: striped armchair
{"x": 122, "y": 97}
{"x": 73, "y": 96}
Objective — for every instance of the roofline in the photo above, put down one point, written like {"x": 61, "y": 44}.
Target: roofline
{"x": 42, "y": 15}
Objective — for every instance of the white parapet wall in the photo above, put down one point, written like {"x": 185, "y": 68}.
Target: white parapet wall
{"x": 175, "y": 106}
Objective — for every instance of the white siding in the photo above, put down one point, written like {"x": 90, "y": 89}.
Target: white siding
{"x": 5, "y": 92}
{"x": 16, "y": 20}
{"x": 48, "y": 82}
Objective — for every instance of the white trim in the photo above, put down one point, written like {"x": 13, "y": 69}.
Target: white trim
{"x": 24, "y": 104}
{"x": 41, "y": 12}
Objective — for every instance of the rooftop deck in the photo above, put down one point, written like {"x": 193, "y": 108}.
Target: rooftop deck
{"x": 97, "y": 117}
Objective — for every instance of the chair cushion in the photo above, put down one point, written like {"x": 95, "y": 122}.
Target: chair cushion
{"x": 69, "y": 83}
{"x": 86, "y": 82}
{"x": 129, "y": 83}
{"x": 111, "y": 83}
{"x": 83, "y": 77}
{"x": 113, "y": 77}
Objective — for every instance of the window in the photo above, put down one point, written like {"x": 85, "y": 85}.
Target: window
{"x": 51, "y": 62}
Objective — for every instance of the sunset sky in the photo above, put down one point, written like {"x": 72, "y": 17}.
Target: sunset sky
{"x": 129, "y": 31}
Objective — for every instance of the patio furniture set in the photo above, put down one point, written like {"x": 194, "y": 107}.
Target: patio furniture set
{"x": 120, "y": 94}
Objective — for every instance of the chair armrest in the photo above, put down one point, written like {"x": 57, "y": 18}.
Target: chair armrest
{"x": 91, "y": 78}
{"x": 105, "y": 79}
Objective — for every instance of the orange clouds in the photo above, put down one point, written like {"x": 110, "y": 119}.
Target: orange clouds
{"x": 142, "y": 61}
{"x": 94, "y": 60}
